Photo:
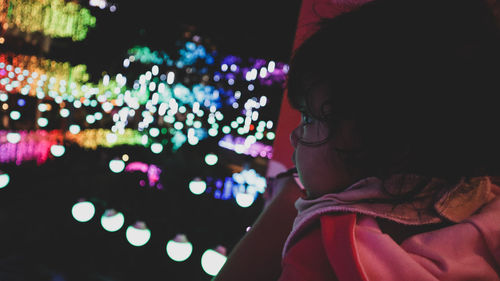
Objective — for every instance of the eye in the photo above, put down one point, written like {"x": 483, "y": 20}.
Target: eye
{"x": 306, "y": 118}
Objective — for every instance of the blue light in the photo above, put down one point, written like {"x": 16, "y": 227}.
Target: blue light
{"x": 21, "y": 102}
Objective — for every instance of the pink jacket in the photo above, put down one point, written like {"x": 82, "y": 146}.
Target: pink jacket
{"x": 356, "y": 249}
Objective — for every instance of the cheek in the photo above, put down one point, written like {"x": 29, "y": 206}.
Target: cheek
{"x": 314, "y": 162}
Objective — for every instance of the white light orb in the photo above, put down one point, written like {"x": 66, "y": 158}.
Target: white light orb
{"x": 64, "y": 112}
{"x": 116, "y": 165}
{"x": 156, "y": 148}
{"x": 83, "y": 211}
{"x": 42, "y": 122}
{"x": 211, "y": 159}
{"x": 4, "y": 179}
{"x": 74, "y": 129}
{"x": 154, "y": 132}
{"x": 90, "y": 119}
{"x": 13, "y": 137}
{"x": 57, "y": 150}
{"x": 197, "y": 186}
{"x": 179, "y": 249}
{"x": 138, "y": 234}
{"x": 15, "y": 115}
{"x": 112, "y": 220}
{"x": 270, "y": 136}
{"x": 212, "y": 261}
{"x": 244, "y": 200}
{"x": 98, "y": 116}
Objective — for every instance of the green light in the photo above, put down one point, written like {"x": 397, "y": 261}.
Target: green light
{"x": 54, "y": 18}
{"x": 226, "y": 129}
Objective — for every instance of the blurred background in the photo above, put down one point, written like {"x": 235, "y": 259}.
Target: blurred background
{"x": 135, "y": 136}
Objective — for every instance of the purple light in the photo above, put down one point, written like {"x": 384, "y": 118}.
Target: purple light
{"x": 153, "y": 172}
{"x": 237, "y": 144}
{"x": 34, "y": 145}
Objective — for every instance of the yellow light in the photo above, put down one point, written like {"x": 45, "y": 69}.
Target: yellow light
{"x": 5, "y": 106}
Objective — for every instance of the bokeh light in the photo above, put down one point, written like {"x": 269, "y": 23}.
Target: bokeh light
{"x": 83, "y": 211}
{"x": 138, "y": 234}
{"x": 179, "y": 249}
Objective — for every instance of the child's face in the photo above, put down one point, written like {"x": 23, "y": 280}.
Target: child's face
{"x": 320, "y": 168}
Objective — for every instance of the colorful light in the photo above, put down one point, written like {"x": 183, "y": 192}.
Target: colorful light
{"x": 54, "y": 18}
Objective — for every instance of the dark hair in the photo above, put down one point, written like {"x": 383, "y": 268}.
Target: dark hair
{"x": 420, "y": 78}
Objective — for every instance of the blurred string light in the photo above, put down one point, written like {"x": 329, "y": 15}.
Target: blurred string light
{"x": 112, "y": 220}
{"x": 4, "y": 179}
{"x": 247, "y": 146}
{"x": 54, "y": 18}
{"x": 179, "y": 248}
{"x": 83, "y": 211}
{"x": 199, "y": 95}
{"x": 248, "y": 185}
{"x": 212, "y": 260}
{"x": 138, "y": 234}
{"x": 21, "y": 146}
{"x": 188, "y": 112}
